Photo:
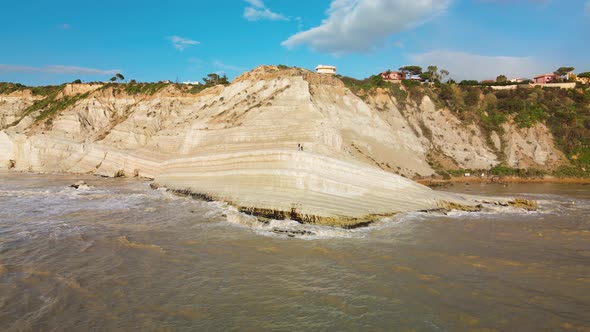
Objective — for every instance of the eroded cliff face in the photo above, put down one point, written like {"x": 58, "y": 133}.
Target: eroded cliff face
{"x": 274, "y": 140}
{"x": 266, "y": 108}
{"x": 438, "y": 137}
{"x": 531, "y": 147}
{"x": 13, "y": 105}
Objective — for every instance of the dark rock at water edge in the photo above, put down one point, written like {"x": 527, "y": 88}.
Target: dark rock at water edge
{"x": 291, "y": 232}
{"x": 79, "y": 184}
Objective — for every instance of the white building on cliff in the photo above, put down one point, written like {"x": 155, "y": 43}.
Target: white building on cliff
{"x": 329, "y": 70}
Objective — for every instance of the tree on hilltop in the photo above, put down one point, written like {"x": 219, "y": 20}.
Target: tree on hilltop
{"x": 565, "y": 73}
{"x": 443, "y": 73}
{"x": 501, "y": 79}
{"x": 117, "y": 77}
{"x": 432, "y": 74}
{"x": 427, "y": 76}
{"x": 214, "y": 79}
{"x": 412, "y": 70}
{"x": 562, "y": 71}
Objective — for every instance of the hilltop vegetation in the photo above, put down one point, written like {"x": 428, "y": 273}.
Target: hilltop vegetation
{"x": 565, "y": 112}
{"x": 8, "y": 88}
{"x": 50, "y": 101}
{"x": 49, "y": 104}
{"x": 117, "y": 84}
{"x": 135, "y": 88}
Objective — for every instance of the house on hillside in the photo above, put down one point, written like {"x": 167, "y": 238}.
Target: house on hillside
{"x": 546, "y": 78}
{"x": 328, "y": 70}
{"x": 518, "y": 80}
{"x": 392, "y": 76}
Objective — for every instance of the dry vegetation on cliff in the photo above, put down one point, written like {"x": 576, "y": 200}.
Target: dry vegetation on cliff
{"x": 565, "y": 112}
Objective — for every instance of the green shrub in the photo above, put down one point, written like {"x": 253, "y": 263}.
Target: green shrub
{"x": 493, "y": 121}
{"x": 468, "y": 83}
{"x": 530, "y": 116}
{"x": 366, "y": 85}
{"x": 503, "y": 170}
{"x": 471, "y": 97}
{"x": 411, "y": 83}
{"x": 571, "y": 172}
{"x": 145, "y": 88}
{"x": 445, "y": 175}
{"x": 47, "y": 90}
{"x": 510, "y": 105}
{"x": 416, "y": 93}
{"x": 196, "y": 88}
{"x": 400, "y": 95}
{"x": 46, "y": 102}
{"x": 7, "y": 88}
{"x": 54, "y": 106}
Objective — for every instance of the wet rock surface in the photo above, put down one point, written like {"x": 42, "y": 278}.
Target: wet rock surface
{"x": 292, "y": 232}
{"x": 79, "y": 185}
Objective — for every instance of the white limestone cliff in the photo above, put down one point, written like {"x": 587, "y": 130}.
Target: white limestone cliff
{"x": 275, "y": 142}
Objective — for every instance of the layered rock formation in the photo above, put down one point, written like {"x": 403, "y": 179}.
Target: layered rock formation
{"x": 278, "y": 143}
{"x": 13, "y": 105}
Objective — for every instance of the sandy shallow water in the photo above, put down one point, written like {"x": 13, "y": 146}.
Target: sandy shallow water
{"x": 121, "y": 256}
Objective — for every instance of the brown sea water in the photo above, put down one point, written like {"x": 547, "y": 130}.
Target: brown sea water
{"x": 121, "y": 256}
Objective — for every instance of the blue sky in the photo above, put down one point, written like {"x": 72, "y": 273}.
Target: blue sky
{"x": 49, "y": 42}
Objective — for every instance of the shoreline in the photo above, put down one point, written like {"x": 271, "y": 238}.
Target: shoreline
{"x": 502, "y": 180}
{"x": 459, "y": 179}
{"x": 443, "y": 202}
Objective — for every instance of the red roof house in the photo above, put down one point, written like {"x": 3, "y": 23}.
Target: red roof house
{"x": 392, "y": 76}
{"x": 546, "y": 78}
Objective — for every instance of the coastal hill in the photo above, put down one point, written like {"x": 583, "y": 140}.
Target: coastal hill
{"x": 283, "y": 142}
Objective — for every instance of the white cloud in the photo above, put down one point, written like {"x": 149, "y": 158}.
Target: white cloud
{"x": 57, "y": 69}
{"x": 587, "y": 8}
{"x": 258, "y": 11}
{"x": 256, "y": 3}
{"x": 362, "y": 25}
{"x": 463, "y": 66}
{"x": 225, "y": 66}
{"x": 182, "y": 43}
{"x": 299, "y": 23}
